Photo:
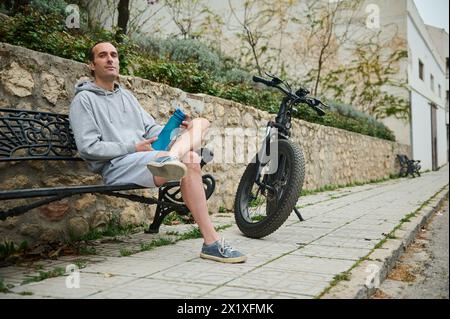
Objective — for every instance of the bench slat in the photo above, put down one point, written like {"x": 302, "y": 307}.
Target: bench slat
{"x": 72, "y": 190}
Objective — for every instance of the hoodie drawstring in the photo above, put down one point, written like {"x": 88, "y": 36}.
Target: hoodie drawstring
{"x": 123, "y": 103}
{"x": 109, "y": 111}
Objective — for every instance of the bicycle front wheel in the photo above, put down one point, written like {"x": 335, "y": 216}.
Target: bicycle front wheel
{"x": 259, "y": 211}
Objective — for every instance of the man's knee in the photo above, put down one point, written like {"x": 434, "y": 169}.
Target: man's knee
{"x": 192, "y": 160}
{"x": 201, "y": 123}
{"x": 191, "y": 157}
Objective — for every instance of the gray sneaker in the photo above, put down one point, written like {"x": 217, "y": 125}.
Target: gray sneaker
{"x": 221, "y": 251}
{"x": 168, "y": 167}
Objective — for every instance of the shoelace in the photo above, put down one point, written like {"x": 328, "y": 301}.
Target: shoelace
{"x": 164, "y": 159}
{"x": 224, "y": 246}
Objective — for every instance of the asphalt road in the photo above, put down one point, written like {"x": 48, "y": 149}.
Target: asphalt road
{"x": 423, "y": 271}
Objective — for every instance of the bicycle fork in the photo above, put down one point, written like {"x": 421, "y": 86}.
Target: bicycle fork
{"x": 270, "y": 132}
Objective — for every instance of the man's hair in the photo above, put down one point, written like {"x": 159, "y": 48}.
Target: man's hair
{"x": 91, "y": 54}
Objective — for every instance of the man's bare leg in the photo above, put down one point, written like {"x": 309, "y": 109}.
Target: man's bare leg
{"x": 192, "y": 184}
{"x": 194, "y": 196}
{"x": 195, "y": 199}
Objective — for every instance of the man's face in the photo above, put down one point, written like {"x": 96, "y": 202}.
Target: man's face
{"x": 106, "y": 62}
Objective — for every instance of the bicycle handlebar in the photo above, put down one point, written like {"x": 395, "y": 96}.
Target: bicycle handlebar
{"x": 257, "y": 79}
{"x": 312, "y": 102}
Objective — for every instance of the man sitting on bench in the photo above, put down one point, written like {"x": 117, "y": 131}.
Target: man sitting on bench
{"x": 114, "y": 134}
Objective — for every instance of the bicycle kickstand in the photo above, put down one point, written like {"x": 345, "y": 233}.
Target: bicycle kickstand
{"x": 298, "y": 214}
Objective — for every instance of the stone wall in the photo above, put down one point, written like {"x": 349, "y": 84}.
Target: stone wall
{"x": 35, "y": 81}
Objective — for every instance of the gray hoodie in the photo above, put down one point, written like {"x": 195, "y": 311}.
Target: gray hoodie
{"x": 108, "y": 124}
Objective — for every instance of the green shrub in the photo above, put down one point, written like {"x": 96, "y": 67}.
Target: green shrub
{"x": 49, "y": 6}
{"x": 221, "y": 68}
{"x": 48, "y": 33}
{"x": 234, "y": 76}
{"x": 182, "y": 50}
{"x": 185, "y": 76}
{"x": 9, "y": 249}
{"x": 266, "y": 100}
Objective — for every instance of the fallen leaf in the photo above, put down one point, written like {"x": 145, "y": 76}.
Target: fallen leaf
{"x": 55, "y": 253}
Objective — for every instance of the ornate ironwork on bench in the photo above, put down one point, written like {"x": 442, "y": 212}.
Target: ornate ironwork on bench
{"x": 30, "y": 135}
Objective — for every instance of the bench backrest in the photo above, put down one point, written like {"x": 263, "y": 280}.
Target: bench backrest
{"x": 403, "y": 159}
{"x": 32, "y": 135}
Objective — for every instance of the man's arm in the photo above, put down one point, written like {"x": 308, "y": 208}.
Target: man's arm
{"x": 152, "y": 129}
{"x": 88, "y": 136}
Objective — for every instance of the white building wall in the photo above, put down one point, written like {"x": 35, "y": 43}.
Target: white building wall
{"x": 421, "y": 129}
{"x": 420, "y": 47}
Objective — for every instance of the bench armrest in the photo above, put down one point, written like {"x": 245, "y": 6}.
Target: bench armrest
{"x": 206, "y": 154}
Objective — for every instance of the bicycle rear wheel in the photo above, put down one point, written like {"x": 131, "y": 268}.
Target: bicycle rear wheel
{"x": 258, "y": 210}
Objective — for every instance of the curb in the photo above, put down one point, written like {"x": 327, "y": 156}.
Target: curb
{"x": 373, "y": 269}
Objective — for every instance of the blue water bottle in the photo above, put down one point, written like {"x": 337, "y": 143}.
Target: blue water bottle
{"x": 164, "y": 138}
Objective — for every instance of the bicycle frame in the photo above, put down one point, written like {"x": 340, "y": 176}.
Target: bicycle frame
{"x": 281, "y": 127}
{"x": 283, "y": 119}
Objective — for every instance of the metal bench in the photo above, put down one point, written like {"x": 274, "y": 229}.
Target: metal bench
{"x": 30, "y": 135}
{"x": 408, "y": 166}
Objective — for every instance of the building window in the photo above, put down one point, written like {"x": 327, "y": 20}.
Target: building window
{"x": 439, "y": 90}
{"x": 421, "y": 70}
{"x": 432, "y": 82}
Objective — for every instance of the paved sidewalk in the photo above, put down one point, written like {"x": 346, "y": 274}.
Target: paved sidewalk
{"x": 300, "y": 260}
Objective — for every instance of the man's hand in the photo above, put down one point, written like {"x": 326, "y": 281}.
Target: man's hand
{"x": 145, "y": 145}
{"x": 185, "y": 124}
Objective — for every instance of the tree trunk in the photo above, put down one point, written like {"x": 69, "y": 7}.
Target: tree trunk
{"x": 321, "y": 57}
{"x": 18, "y": 5}
{"x": 122, "y": 20}
{"x": 319, "y": 70}
{"x": 8, "y": 5}
{"x": 252, "y": 42}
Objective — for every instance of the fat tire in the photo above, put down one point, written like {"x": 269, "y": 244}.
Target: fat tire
{"x": 287, "y": 202}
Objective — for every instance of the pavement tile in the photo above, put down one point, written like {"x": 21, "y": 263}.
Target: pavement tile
{"x": 203, "y": 271}
{"x": 18, "y": 296}
{"x": 226, "y": 292}
{"x": 130, "y": 266}
{"x": 56, "y": 287}
{"x": 332, "y": 252}
{"x": 336, "y": 241}
{"x": 174, "y": 253}
{"x": 360, "y": 233}
{"x": 311, "y": 264}
{"x": 150, "y": 288}
{"x": 281, "y": 280}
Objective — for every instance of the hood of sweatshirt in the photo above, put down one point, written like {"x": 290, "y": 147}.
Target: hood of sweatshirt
{"x": 92, "y": 87}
